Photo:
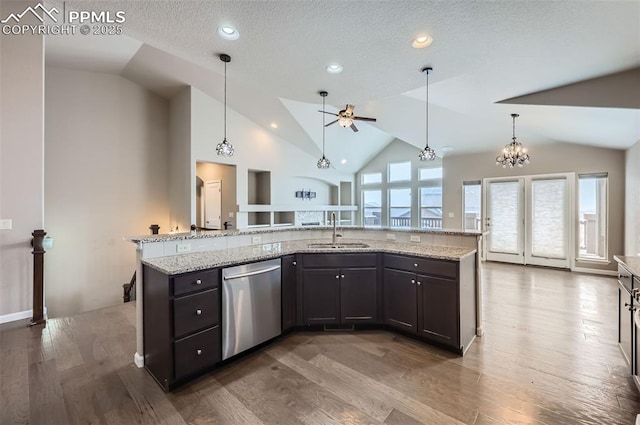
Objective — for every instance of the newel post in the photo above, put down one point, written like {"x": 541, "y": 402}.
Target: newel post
{"x": 38, "y": 277}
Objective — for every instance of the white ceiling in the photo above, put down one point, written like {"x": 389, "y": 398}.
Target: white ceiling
{"x": 482, "y": 53}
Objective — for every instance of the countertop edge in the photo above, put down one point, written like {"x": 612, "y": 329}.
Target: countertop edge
{"x": 629, "y": 262}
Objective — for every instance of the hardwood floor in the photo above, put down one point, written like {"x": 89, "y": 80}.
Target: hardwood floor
{"x": 548, "y": 356}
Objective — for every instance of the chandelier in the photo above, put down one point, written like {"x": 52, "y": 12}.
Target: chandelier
{"x": 225, "y": 148}
{"x": 323, "y": 163}
{"x": 513, "y": 154}
{"x": 427, "y": 154}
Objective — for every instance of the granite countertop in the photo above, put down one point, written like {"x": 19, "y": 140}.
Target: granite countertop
{"x": 183, "y": 263}
{"x": 200, "y": 234}
{"x": 631, "y": 263}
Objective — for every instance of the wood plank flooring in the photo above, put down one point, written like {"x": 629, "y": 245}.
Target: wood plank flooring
{"x": 548, "y": 356}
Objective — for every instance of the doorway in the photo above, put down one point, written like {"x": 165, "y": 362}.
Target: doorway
{"x": 529, "y": 219}
{"x": 212, "y": 204}
{"x": 215, "y": 202}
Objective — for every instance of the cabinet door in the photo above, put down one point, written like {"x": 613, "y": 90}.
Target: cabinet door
{"x": 288, "y": 292}
{"x": 438, "y": 309}
{"x": 321, "y": 296}
{"x": 358, "y": 296}
{"x": 400, "y": 300}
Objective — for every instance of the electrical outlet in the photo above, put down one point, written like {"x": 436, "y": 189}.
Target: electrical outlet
{"x": 391, "y": 237}
{"x": 256, "y": 239}
{"x": 183, "y": 247}
{"x": 415, "y": 238}
{"x": 6, "y": 224}
{"x": 451, "y": 215}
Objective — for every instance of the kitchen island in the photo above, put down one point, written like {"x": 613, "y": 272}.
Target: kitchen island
{"x": 428, "y": 288}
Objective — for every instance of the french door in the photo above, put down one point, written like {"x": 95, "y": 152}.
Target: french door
{"x": 529, "y": 219}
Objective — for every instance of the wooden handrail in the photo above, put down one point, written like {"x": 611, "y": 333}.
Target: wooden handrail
{"x": 127, "y": 288}
{"x": 38, "y": 278}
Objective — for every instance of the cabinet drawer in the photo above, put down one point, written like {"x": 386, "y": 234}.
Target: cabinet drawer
{"x": 339, "y": 260}
{"x": 422, "y": 265}
{"x": 191, "y": 282}
{"x": 195, "y": 312}
{"x": 196, "y": 352}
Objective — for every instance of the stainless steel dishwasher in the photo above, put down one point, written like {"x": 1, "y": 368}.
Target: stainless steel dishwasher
{"x": 251, "y": 306}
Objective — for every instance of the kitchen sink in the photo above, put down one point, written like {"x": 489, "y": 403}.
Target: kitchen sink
{"x": 338, "y": 245}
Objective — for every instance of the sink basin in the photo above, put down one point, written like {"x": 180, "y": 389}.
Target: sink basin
{"x": 338, "y": 245}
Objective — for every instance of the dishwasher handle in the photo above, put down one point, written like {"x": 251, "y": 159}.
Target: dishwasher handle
{"x": 253, "y": 273}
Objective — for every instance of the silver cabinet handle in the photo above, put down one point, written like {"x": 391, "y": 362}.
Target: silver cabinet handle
{"x": 337, "y": 276}
{"x": 199, "y": 282}
{"x": 415, "y": 264}
{"x": 342, "y": 276}
{"x": 295, "y": 263}
{"x": 413, "y": 281}
{"x": 198, "y": 312}
{"x": 199, "y": 352}
{"x": 419, "y": 283}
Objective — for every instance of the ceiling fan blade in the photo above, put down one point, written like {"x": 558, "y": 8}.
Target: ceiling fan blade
{"x": 330, "y": 113}
{"x": 349, "y": 109}
{"x": 332, "y": 122}
{"x": 354, "y": 128}
{"x": 363, "y": 119}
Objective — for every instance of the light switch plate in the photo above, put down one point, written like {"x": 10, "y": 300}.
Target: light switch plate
{"x": 391, "y": 237}
{"x": 451, "y": 215}
{"x": 230, "y": 214}
{"x": 256, "y": 239}
{"x": 183, "y": 247}
{"x": 6, "y": 224}
{"x": 415, "y": 238}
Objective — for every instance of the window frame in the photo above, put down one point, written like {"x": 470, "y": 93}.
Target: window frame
{"x": 362, "y": 192}
{"x": 593, "y": 259}
{"x": 464, "y": 204}
{"x": 363, "y": 183}
{"x": 389, "y": 206}
{"x": 398, "y": 181}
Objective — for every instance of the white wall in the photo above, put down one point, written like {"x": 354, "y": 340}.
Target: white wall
{"x": 106, "y": 170}
{"x": 21, "y": 156}
{"x": 255, "y": 148}
{"x": 632, "y": 201}
{"x": 181, "y": 172}
{"x": 545, "y": 159}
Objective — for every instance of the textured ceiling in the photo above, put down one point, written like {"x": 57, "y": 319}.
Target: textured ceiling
{"x": 482, "y": 53}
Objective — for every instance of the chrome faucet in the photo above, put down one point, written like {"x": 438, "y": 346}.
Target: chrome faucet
{"x": 334, "y": 235}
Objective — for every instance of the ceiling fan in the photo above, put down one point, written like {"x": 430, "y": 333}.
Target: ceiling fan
{"x": 346, "y": 118}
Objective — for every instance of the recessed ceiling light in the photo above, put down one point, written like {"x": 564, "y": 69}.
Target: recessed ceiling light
{"x": 273, "y": 125}
{"x": 334, "y": 68}
{"x": 343, "y": 161}
{"x": 228, "y": 32}
{"x": 421, "y": 41}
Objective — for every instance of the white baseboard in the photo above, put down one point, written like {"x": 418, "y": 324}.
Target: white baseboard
{"x": 594, "y": 271}
{"x": 138, "y": 360}
{"x": 21, "y": 315}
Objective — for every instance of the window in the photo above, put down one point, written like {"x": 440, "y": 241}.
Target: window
{"x": 430, "y": 173}
{"x": 592, "y": 216}
{"x": 471, "y": 205}
{"x": 372, "y": 178}
{"x": 431, "y": 207}
{"x": 372, "y": 208}
{"x": 400, "y": 172}
{"x": 400, "y": 208}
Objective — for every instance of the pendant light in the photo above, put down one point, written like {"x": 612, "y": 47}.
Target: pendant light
{"x": 513, "y": 154}
{"x": 427, "y": 154}
{"x": 225, "y": 148}
{"x": 323, "y": 163}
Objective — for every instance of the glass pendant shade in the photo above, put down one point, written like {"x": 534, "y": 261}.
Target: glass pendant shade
{"x": 427, "y": 154}
{"x": 513, "y": 154}
{"x": 225, "y": 148}
{"x": 324, "y": 163}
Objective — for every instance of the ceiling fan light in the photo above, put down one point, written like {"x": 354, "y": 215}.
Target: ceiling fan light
{"x": 334, "y": 68}
{"x": 345, "y": 122}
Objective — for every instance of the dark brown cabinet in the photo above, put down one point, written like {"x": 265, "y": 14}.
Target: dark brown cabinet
{"x": 339, "y": 289}
{"x": 428, "y": 297}
{"x": 289, "y": 279}
{"x": 181, "y": 324}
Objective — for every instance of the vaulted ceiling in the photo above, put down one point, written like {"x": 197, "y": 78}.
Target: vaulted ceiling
{"x": 571, "y": 69}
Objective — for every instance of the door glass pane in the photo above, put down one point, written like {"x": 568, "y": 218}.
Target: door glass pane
{"x": 400, "y": 208}
{"x": 504, "y": 213}
{"x": 548, "y": 218}
{"x": 372, "y": 208}
{"x": 472, "y": 201}
{"x": 592, "y": 235}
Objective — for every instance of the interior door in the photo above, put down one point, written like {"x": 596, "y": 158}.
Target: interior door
{"x": 504, "y": 204}
{"x": 213, "y": 204}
